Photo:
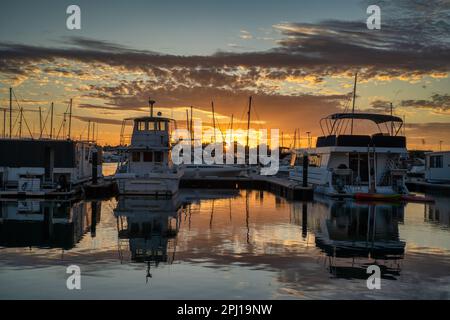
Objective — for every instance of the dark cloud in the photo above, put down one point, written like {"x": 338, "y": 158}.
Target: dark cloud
{"x": 413, "y": 40}
{"x": 98, "y": 120}
{"x": 437, "y": 102}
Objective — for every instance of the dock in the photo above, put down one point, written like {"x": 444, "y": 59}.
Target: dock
{"x": 419, "y": 185}
{"x": 280, "y": 186}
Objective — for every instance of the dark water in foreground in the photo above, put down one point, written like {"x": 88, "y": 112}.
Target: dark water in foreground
{"x": 224, "y": 244}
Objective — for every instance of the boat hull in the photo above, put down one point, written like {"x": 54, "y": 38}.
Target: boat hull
{"x": 159, "y": 185}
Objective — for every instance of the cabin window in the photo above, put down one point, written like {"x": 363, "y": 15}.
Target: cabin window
{"x": 136, "y": 156}
{"x": 163, "y": 126}
{"x": 436, "y": 162}
{"x": 158, "y": 156}
{"x": 148, "y": 156}
{"x": 315, "y": 160}
{"x": 141, "y": 125}
{"x": 151, "y": 126}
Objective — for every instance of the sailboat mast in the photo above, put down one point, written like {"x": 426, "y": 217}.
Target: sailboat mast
{"x": 231, "y": 129}
{"x": 214, "y": 120}
{"x": 51, "y": 122}
{"x": 191, "y": 126}
{"x": 89, "y": 131}
{"x": 70, "y": 120}
{"x": 40, "y": 122}
{"x": 392, "y": 122}
{"x": 20, "y": 123}
{"x": 354, "y": 98}
{"x": 10, "y": 113}
{"x": 248, "y": 119}
{"x": 4, "y": 123}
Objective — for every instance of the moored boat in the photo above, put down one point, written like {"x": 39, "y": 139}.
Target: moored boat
{"x": 345, "y": 164}
{"x": 146, "y": 166}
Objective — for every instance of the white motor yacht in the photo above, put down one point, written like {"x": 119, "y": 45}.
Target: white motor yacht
{"x": 346, "y": 164}
{"x": 146, "y": 166}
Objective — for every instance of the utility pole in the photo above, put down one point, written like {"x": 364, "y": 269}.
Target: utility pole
{"x": 440, "y": 145}
{"x": 51, "y": 122}
{"x": 354, "y": 98}
{"x": 70, "y": 120}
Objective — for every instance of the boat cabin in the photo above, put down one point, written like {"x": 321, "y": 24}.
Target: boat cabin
{"x": 437, "y": 167}
{"x": 28, "y": 165}
{"x": 150, "y": 144}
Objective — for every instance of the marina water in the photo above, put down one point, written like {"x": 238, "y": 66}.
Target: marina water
{"x": 237, "y": 244}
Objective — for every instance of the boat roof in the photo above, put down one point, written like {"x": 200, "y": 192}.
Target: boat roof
{"x": 375, "y": 117}
{"x": 148, "y": 118}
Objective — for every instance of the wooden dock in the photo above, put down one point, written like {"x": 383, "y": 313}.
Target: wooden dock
{"x": 420, "y": 185}
{"x": 281, "y": 186}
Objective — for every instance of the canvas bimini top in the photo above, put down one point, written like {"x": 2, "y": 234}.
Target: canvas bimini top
{"x": 337, "y": 131}
{"x": 338, "y": 123}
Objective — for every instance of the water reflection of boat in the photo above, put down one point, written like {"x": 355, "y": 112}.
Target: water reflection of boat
{"x": 438, "y": 212}
{"x": 354, "y": 236}
{"x": 53, "y": 224}
{"x": 148, "y": 226}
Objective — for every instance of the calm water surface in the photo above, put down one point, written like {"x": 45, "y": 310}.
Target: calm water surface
{"x": 224, "y": 244}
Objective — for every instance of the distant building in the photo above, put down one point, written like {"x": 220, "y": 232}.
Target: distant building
{"x": 437, "y": 167}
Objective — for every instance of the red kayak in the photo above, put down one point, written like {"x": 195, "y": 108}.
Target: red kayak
{"x": 392, "y": 197}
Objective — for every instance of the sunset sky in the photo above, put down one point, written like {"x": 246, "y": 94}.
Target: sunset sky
{"x": 296, "y": 58}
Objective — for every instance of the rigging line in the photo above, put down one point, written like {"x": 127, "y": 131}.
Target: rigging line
{"x": 15, "y": 122}
{"x": 45, "y": 122}
{"x": 22, "y": 113}
{"x": 63, "y": 123}
{"x": 26, "y": 124}
{"x": 346, "y": 106}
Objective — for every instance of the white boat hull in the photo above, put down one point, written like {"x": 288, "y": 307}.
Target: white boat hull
{"x": 166, "y": 185}
{"x": 204, "y": 171}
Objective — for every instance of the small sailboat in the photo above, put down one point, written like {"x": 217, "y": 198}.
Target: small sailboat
{"x": 146, "y": 167}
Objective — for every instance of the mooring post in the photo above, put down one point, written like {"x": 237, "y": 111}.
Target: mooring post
{"x": 305, "y": 170}
{"x": 94, "y": 167}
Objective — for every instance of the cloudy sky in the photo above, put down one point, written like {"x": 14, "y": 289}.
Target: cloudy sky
{"x": 296, "y": 58}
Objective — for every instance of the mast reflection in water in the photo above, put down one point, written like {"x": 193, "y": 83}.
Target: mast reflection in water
{"x": 237, "y": 244}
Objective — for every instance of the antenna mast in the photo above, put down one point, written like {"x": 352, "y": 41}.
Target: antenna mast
{"x": 151, "y": 103}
